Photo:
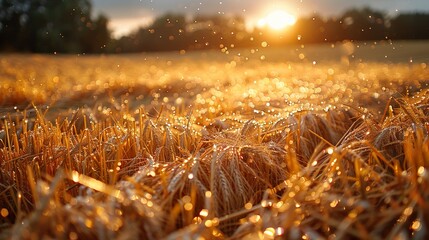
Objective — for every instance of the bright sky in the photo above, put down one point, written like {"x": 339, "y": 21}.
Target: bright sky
{"x": 127, "y": 15}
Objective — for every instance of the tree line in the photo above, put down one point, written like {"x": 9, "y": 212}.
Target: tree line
{"x": 46, "y": 26}
{"x": 67, "y": 26}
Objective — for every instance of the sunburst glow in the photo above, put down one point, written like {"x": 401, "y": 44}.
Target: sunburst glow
{"x": 277, "y": 20}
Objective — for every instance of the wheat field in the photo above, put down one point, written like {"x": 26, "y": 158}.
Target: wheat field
{"x": 314, "y": 142}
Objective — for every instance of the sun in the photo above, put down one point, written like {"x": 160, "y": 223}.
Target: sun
{"x": 277, "y": 20}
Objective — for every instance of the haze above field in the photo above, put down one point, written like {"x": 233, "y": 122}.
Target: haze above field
{"x": 129, "y": 14}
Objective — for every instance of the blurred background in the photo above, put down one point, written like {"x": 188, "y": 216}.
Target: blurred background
{"x": 110, "y": 26}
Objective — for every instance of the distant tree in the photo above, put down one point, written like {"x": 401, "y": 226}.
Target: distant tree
{"x": 363, "y": 24}
{"x": 410, "y": 26}
{"x": 166, "y": 30}
{"x": 174, "y": 32}
{"x": 66, "y": 26}
{"x": 333, "y": 30}
{"x": 166, "y": 33}
{"x": 96, "y": 36}
{"x": 215, "y": 31}
{"x": 207, "y": 31}
{"x": 51, "y": 26}
{"x": 310, "y": 30}
{"x": 11, "y": 17}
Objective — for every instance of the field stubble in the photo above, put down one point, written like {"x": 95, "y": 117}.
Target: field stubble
{"x": 213, "y": 146}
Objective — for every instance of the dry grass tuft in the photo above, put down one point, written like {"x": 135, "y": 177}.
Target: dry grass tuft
{"x": 333, "y": 174}
{"x": 246, "y": 166}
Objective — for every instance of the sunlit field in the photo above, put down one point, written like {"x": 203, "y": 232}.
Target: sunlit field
{"x": 304, "y": 142}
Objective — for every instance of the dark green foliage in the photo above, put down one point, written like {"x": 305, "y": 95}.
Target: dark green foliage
{"x": 51, "y": 26}
{"x": 66, "y": 26}
{"x": 410, "y": 26}
{"x": 363, "y": 24}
